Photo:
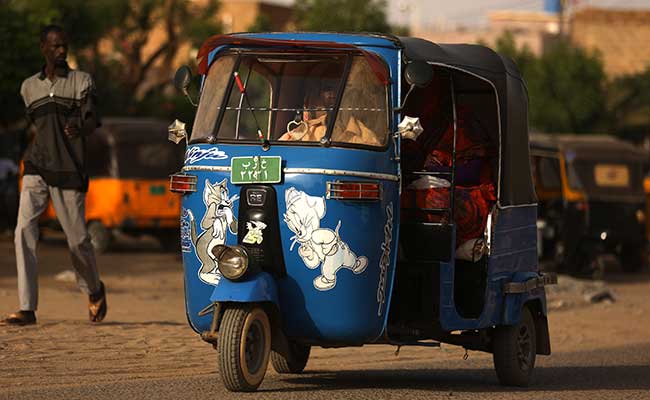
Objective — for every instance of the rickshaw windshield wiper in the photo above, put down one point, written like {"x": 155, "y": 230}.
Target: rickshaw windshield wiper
{"x": 242, "y": 90}
{"x": 339, "y": 96}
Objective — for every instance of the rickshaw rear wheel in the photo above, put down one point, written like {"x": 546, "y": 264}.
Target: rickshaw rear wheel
{"x": 295, "y": 362}
{"x": 514, "y": 350}
{"x": 100, "y": 236}
{"x": 633, "y": 258}
{"x": 244, "y": 346}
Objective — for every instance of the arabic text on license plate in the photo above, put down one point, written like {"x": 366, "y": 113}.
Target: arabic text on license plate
{"x": 255, "y": 169}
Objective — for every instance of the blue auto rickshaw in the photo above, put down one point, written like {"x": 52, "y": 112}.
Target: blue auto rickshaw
{"x": 349, "y": 189}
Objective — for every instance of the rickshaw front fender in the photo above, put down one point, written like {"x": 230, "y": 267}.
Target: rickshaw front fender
{"x": 259, "y": 288}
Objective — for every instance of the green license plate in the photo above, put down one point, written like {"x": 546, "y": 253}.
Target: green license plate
{"x": 157, "y": 190}
{"x": 256, "y": 169}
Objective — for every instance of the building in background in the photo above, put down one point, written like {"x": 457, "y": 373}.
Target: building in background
{"x": 620, "y": 36}
{"x": 532, "y": 29}
{"x": 240, "y": 15}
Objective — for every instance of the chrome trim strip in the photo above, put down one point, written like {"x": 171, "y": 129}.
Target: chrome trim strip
{"x": 342, "y": 172}
{"x": 206, "y": 168}
{"x": 316, "y": 171}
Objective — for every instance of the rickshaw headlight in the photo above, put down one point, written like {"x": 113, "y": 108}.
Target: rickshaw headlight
{"x": 232, "y": 261}
{"x": 640, "y": 216}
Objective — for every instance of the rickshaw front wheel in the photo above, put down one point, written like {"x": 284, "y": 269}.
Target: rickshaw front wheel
{"x": 295, "y": 362}
{"x": 244, "y": 346}
{"x": 514, "y": 350}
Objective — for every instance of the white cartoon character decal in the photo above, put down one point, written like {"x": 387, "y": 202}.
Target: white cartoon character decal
{"x": 218, "y": 218}
{"x": 254, "y": 234}
{"x": 318, "y": 246}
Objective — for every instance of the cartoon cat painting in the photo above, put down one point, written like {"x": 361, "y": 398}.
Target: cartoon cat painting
{"x": 318, "y": 246}
{"x": 218, "y": 218}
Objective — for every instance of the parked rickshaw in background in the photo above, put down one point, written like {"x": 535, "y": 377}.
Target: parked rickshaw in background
{"x": 310, "y": 218}
{"x": 128, "y": 164}
{"x": 592, "y": 210}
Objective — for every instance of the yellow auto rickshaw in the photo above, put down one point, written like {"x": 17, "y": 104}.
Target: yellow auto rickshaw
{"x": 592, "y": 211}
{"x": 129, "y": 162}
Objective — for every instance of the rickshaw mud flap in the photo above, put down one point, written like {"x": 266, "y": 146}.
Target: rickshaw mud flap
{"x": 280, "y": 342}
{"x": 212, "y": 335}
{"x": 549, "y": 278}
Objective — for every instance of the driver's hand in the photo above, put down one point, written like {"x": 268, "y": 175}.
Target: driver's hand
{"x": 71, "y": 131}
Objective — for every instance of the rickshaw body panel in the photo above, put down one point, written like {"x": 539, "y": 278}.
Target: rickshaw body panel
{"x": 259, "y": 288}
{"x": 513, "y": 258}
{"x": 337, "y": 315}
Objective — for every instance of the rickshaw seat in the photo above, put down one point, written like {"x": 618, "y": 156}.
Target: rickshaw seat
{"x": 427, "y": 241}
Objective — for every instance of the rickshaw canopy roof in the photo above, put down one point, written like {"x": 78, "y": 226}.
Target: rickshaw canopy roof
{"x": 515, "y": 179}
{"x": 588, "y": 146}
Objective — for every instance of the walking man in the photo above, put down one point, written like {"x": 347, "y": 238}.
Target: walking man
{"x": 60, "y": 104}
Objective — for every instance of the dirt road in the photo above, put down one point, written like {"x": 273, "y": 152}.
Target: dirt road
{"x": 145, "y": 349}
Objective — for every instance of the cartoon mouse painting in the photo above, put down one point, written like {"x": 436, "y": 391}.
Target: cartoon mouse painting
{"x": 318, "y": 246}
{"x": 218, "y": 218}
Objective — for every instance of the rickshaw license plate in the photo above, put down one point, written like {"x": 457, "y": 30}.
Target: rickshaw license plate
{"x": 255, "y": 169}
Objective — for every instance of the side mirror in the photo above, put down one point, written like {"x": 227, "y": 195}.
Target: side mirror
{"x": 182, "y": 79}
{"x": 418, "y": 74}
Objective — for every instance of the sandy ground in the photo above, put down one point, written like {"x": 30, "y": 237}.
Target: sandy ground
{"x": 146, "y": 336}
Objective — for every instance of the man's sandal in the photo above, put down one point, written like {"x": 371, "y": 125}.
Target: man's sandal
{"x": 20, "y": 318}
{"x": 97, "y": 304}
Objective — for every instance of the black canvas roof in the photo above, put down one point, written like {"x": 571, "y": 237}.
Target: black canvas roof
{"x": 515, "y": 182}
{"x": 588, "y": 146}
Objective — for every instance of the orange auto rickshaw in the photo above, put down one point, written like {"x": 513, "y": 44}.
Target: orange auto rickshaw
{"x": 129, "y": 162}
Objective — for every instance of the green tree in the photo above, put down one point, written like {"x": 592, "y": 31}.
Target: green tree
{"x": 567, "y": 86}
{"x": 262, "y": 23}
{"x": 629, "y": 105}
{"x": 110, "y": 39}
{"x": 342, "y": 15}
{"x": 19, "y": 30}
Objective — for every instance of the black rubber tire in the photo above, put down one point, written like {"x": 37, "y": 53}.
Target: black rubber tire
{"x": 100, "y": 237}
{"x": 295, "y": 364}
{"x": 170, "y": 240}
{"x": 244, "y": 347}
{"x": 633, "y": 258}
{"x": 514, "y": 351}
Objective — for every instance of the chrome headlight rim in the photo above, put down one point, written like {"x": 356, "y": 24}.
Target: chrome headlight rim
{"x": 232, "y": 261}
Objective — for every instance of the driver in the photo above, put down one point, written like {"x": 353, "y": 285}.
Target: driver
{"x": 314, "y": 124}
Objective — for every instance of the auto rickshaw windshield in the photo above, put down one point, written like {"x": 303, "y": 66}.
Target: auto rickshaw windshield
{"x": 291, "y": 98}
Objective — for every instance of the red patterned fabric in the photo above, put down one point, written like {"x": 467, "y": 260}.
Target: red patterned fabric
{"x": 472, "y": 205}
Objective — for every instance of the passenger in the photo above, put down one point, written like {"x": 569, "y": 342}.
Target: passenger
{"x": 313, "y": 126}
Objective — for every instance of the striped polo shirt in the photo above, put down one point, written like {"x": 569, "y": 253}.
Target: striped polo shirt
{"x": 51, "y": 104}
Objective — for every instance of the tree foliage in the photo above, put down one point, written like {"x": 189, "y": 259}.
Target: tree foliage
{"x": 18, "y": 29}
{"x": 341, "y": 15}
{"x": 567, "y": 86}
{"x": 262, "y": 23}
{"x": 629, "y": 105}
{"x": 112, "y": 40}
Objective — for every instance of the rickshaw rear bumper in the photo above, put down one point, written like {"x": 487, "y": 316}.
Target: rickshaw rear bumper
{"x": 258, "y": 288}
